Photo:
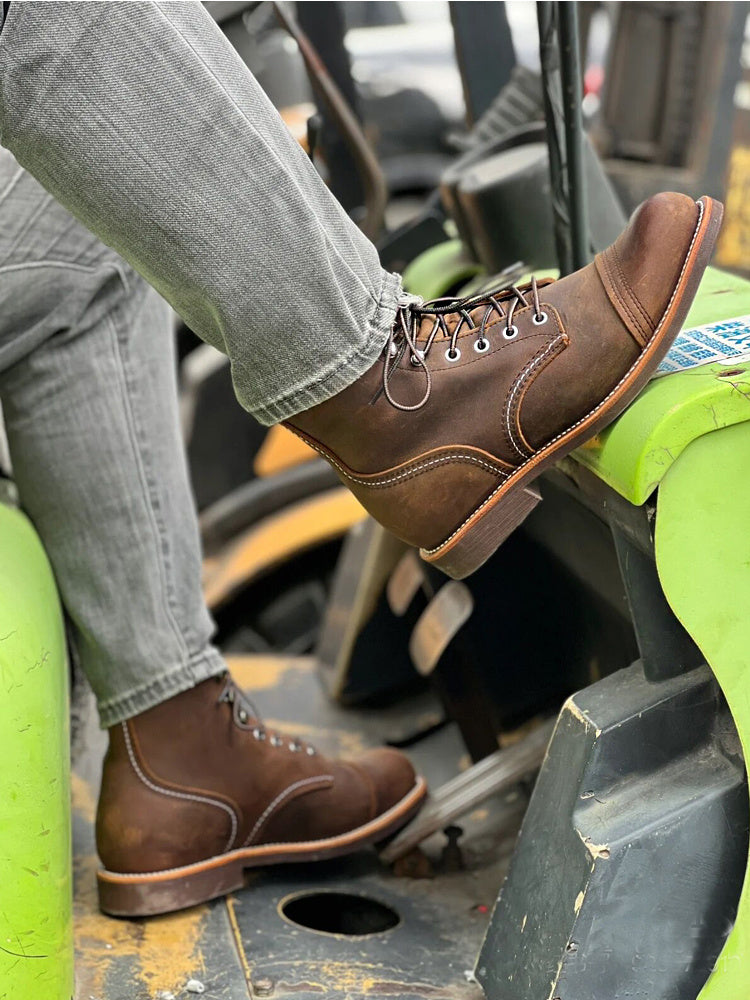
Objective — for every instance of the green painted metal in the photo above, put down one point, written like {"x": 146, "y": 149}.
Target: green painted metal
{"x": 703, "y": 559}
{"x": 36, "y": 931}
{"x": 440, "y": 270}
{"x": 635, "y": 452}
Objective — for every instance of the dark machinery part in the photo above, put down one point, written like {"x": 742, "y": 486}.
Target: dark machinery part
{"x": 215, "y": 418}
{"x": 484, "y": 52}
{"x": 570, "y": 66}
{"x": 503, "y": 204}
{"x": 518, "y": 103}
{"x": 336, "y": 105}
{"x": 324, "y": 25}
{"x": 514, "y": 108}
{"x": 668, "y": 100}
{"x": 528, "y": 193}
{"x": 641, "y": 806}
{"x": 667, "y": 650}
{"x": 553, "y": 111}
{"x": 645, "y": 845}
{"x": 561, "y": 79}
{"x": 257, "y": 498}
{"x": 452, "y": 661}
{"x": 362, "y": 652}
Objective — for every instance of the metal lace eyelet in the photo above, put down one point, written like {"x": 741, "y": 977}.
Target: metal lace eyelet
{"x": 311, "y": 751}
{"x": 510, "y": 332}
{"x": 452, "y": 355}
{"x": 417, "y": 358}
{"x": 481, "y": 346}
{"x": 540, "y": 320}
{"x": 294, "y": 747}
{"x": 276, "y": 742}
{"x": 259, "y": 734}
{"x": 242, "y": 715}
{"x": 393, "y": 350}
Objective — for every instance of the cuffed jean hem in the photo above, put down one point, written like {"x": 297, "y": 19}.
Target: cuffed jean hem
{"x": 347, "y": 369}
{"x": 166, "y": 684}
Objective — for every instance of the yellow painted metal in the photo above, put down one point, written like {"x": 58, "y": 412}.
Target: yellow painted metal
{"x": 265, "y": 671}
{"x": 281, "y": 450}
{"x": 36, "y": 937}
{"x": 734, "y": 242}
{"x": 278, "y": 538}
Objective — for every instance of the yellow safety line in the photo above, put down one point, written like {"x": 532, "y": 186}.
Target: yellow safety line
{"x": 229, "y": 900}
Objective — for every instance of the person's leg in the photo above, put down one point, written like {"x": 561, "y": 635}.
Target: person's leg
{"x": 87, "y": 380}
{"x": 145, "y": 123}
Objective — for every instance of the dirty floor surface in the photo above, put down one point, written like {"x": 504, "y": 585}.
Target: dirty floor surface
{"x": 415, "y": 938}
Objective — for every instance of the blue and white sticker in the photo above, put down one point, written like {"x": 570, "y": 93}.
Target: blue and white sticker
{"x": 723, "y": 342}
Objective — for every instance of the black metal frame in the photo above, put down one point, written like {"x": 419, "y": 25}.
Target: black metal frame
{"x": 559, "y": 51}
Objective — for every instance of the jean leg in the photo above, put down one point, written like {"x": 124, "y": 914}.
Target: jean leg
{"x": 88, "y": 384}
{"x": 145, "y": 123}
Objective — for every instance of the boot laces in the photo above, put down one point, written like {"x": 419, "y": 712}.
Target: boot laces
{"x": 412, "y": 309}
{"x": 246, "y": 716}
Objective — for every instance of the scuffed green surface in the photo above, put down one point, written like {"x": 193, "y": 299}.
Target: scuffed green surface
{"x": 633, "y": 454}
{"x": 440, "y": 269}
{"x": 36, "y": 939}
{"x": 703, "y": 558}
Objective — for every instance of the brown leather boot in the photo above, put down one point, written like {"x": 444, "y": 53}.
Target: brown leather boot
{"x": 474, "y": 398}
{"x": 196, "y": 790}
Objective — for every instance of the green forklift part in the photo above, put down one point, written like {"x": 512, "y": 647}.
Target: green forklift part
{"x": 633, "y": 454}
{"x": 703, "y": 558}
{"x": 36, "y": 930}
{"x": 440, "y": 270}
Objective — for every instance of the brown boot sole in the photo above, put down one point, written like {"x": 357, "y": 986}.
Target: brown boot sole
{"x": 491, "y": 523}
{"x": 177, "y": 888}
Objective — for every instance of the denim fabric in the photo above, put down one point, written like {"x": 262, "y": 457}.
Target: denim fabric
{"x": 87, "y": 383}
{"x": 144, "y": 122}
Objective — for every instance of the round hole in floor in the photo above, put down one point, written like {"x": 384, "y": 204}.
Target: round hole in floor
{"x": 339, "y": 913}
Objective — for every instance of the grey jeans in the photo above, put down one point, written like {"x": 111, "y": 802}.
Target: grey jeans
{"x": 143, "y": 122}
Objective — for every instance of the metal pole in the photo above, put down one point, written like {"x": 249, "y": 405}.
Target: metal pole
{"x": 323, "y": 24}
{"x": 570, "y": 66}
{"x": 549, "y": 54}
{"x": 366, "y": 163}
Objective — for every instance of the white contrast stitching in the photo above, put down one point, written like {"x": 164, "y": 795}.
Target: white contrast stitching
{"x": 322, "y": 843}
{"x": 280, "y": 798}
{"x": 362, "y": 481}
{"x": 635, "y": 364}
{"x": 519, "y": 382}
{"x": 178, "y": 795}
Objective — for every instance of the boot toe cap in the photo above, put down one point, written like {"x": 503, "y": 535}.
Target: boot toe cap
{"x": 653, "y": 248}
{"x": 391, "y": 774}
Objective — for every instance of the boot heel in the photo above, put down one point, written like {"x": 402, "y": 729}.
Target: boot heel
{"x": 165, "y": 892}
{"x": 477, "y": 541}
